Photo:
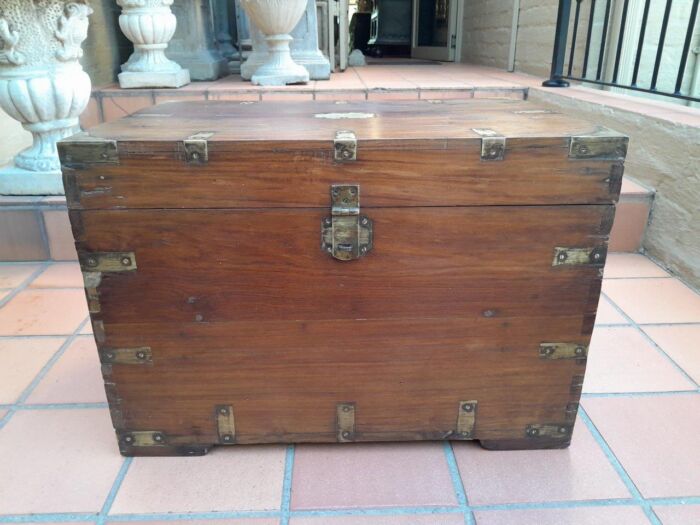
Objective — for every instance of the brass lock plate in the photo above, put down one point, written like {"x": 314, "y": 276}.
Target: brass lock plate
{"x": 346, "y": 234}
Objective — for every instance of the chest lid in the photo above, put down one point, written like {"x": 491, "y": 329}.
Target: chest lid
{"x": 413, "y": 153}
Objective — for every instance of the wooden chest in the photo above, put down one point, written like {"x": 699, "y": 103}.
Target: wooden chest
{"x": 319, "y": 272}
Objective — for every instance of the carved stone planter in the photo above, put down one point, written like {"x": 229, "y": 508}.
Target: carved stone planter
{"x": 304, "y": 48}
{"x": 42, "y": 85}
{"x": 276, "y": 18}
{"x": 150, "y": 25}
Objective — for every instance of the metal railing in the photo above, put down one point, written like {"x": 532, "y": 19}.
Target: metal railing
{"x": 605, "y": 40}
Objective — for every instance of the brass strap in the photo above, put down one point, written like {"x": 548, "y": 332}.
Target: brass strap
{"x": 345, "y": 420}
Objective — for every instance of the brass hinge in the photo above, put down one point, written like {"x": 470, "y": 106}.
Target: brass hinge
{"x": 550, "y": 430}
{"x": 594, "y": 256}
{"x": 345, "y": 421}
{"x": 196, "y": 149}
{"x": 596, "y": 147}
{"x": 346, "y": 235}
{"x": 107, "y": 262}
{"x": 142, "y": 438}
{"x": 466, "y": 419}
{"x": 81, "y": 149}
{"x": 344, "y": 146}
{"x": 94, "y": 264}
{"x": 563, "y": 351}
{"x": 493, "y": 144}
{"x": 225, "y": 424}
{"x": 126, "y": 356}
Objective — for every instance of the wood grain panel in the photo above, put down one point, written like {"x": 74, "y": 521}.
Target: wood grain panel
{"x": 240, "y": 307}
{"x": 302, "y": 121}
{"x": 268, "y": 175}
{"x": 406, "y": 377}
{"x": 280, "y": 155}
{"x": 267, "y": 264}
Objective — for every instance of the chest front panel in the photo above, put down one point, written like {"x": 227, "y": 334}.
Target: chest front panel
{"x": 223, "y": 314}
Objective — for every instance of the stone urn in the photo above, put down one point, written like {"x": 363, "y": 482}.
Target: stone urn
{"x": 42, "y": 85}
{"x": 150, "y": 25}
{"x": 276, "y": 19}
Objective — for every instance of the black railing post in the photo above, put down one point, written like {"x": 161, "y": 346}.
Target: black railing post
{"x": 562, "y": 32}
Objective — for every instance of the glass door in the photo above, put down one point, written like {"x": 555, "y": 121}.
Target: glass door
{"x": 434, "y": 35}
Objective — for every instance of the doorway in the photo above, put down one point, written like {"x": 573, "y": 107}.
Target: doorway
{"x": 386, "y": 30}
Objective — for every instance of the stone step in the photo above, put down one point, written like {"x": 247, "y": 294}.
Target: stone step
{"x": 631, "y": 217}
{"x": 37, "y": 228}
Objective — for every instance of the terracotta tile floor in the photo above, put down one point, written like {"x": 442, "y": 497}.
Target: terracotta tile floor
{"x": 635, "y": 456}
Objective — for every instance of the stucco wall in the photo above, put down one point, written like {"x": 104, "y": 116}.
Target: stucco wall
{"x": 537, "y": 24}
{"x": 486, "y": 32}
{"x": 106, "y": 48}
{"x": 14, "y": 138}
{"x": 665, "y": 156}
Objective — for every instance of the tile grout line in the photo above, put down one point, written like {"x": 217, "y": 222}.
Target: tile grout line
{"x": 696, "y": 323}
{"x": 113, "y": 491}
{"x": 60, "y": 517}
{"x": 51, "y": 336}
{"x": 661, "y": 351}
{"x": 42, "y": 373}
{"x": 287, "y": 484}
{"x": 617, "y": 466}
{"x": 457, "y": 484}
{"x": 648, "y": 324}
{"x": 190, "y": 516}
{"x": 653, "y": 343}
{"x": 62, "y": 288}
{"x": 377, "y": 511}
{"x": 56, "y": 406}
{"x": 21, "y": 263}
{"x": 25, "y": 284}
{"x": 637, "y": 278}
{"x": 361, "y": 511}
{"x": 594, "y": 395}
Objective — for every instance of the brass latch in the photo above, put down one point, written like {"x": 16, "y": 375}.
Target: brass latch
{"x": 346, "y": 235}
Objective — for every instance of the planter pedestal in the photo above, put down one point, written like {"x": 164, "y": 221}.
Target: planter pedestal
{"x": 276, "y": 19}
{"x": 149, "y": 24}
{"x": 42, "y": 85}
{"x": 193, "y": 46}
{"x": 304, "y": 48}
